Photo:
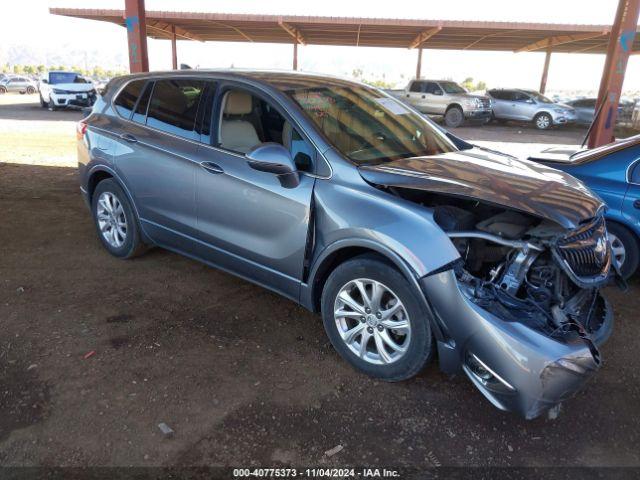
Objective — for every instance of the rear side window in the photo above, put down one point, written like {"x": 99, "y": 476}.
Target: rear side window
{"x": 126, "y": 99}
{"x": 433, "y": 88}
{"x": 140, "y": 114}
{"x": 416, "y": 87}
{"x": 174, "y": 106}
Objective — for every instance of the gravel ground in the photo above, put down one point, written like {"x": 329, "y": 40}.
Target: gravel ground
{"x": 95, "y": 352}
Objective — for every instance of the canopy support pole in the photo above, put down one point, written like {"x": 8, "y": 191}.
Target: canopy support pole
{"x": 136, "y": 22}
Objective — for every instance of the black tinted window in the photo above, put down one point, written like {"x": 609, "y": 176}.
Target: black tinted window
{"x": 417, "y": 87}
{"x": 432, "y": 87}
{"x": 141, "y": 109}
{"x": 126, "y": 99}
{"x": 520, "y": 97}
{"x": 174, "y": 106}
{"x": 203, "y": 124}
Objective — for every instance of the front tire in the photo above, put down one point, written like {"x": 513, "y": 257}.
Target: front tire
{"x": 625, "y": 249}
{"x": 115, "y": 222}
{"x": 454, "y": 117}
{"x": 43, "y": 104}
{"x": 51, "y": 105}
{"x": 31, "y": 90}
{"x": 543, "y": 121}
{"x": 3, "y": 90}
{"x": 375, "y": 320}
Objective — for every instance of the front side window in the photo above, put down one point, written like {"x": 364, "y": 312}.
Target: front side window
{"x": 364, "y": 124}
{"x": 174, "y": 106}
{"x": 452, "y": 88}
{"x": 127, "y": 98}
{"x": 248, "y": 120}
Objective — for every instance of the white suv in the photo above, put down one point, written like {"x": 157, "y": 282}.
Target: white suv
{"x": 66, "y": 89}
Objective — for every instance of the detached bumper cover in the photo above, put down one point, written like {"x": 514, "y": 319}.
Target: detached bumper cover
{"x": 535, "y": 372}
{"x": 479, "y": 114}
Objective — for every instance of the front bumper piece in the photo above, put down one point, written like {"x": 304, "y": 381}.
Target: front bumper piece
{"x": 516, "y": 368}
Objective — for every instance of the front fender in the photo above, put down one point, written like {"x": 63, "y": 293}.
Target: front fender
{"x": 372, "y": 218}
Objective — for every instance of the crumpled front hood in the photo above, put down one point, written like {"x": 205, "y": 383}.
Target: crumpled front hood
{"x": 501, "y": 180}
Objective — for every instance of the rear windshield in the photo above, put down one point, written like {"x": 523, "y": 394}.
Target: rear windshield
{"x": 65, "y": 77}
{"x": 364, "y": 124}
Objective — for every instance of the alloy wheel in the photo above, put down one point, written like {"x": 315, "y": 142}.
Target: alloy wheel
{"x": 112, "y": 221}
{"x": 617, "y": 249}
{"x": 543, "y": 122}
{"x": 372, "y": 321}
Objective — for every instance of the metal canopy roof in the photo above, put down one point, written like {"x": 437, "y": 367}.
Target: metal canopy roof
{"x": 366, "y": 32}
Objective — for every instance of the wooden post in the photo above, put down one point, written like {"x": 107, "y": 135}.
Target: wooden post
{"x": 136, "y": 23}
{"x": 419, "y": 66}
{"x": 295, "y": 55}
{"x": 545, "y": 72}
{"x": 174, "y": 48}
{"x": 621, "y": 40}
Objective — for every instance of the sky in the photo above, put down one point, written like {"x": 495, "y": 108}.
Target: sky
{"x": 498, "y": 69}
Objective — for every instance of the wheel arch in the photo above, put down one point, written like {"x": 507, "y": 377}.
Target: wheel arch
{"x": 342, "y": 251}
{"x": 454, "y": 105}
{"x": 102, "y": 172}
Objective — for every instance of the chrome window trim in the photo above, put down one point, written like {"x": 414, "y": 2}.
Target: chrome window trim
{"x": 630, "y": 168}
{"x": 153, "y": 77}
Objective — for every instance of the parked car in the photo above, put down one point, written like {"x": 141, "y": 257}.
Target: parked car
{"x": 339, "y": 197}
{"x": 17, "y": 83}
{"x": 613, "y": 172}
{"x": 445, "y": 98}
{"x": 529, "y": 106}
{"x": 585, "y": 109}
{"x": 66, "y": 90}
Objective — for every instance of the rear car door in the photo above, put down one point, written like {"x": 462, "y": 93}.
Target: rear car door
{"x": 154, "y": 152}
{"x": 437, "y": 103}
{"x": 252, "y": 224}
{"x": 499, "y": 103}
{"x": 417, "y": 96}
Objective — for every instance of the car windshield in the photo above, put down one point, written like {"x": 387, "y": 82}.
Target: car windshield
{"x": 364, "y": 124}
{"x": 452, "y": 87}
{"x": 65, "y": 77}
{"x": 538, "y": 97}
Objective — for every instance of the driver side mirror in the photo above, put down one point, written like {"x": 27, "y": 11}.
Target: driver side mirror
{"x": 274, "y": 158}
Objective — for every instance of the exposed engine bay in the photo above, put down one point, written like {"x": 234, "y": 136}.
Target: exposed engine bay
{"x": 526, "y": 269}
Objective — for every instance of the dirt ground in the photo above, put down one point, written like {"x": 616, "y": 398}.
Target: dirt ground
{"x": 95, "y": 352}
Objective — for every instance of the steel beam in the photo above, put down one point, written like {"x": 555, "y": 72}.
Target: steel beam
{"x": 293, "y": 31}
{"x": 135, "y": 21}
{"x": 560, "y": 40}
{"x": 620, "y": 46}
{"x": 295, "y": 55}
{"x": 419, "y": 66}
{"x": 171, "y": 29}
{"x": 424, "y": 36}
{"x": 174, "y": 48}
{"x": 545, "y": 71}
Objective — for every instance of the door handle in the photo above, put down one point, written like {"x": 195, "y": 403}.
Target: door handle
{"x": 636, "y": 204}
{"x": 212, "y": 167}
{"x": 128, "y": 137}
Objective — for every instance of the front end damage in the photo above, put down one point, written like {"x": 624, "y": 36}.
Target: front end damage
{"x": 520, "y": 312}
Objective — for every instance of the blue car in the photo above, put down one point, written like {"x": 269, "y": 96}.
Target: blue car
{"x": 613, "y": 172}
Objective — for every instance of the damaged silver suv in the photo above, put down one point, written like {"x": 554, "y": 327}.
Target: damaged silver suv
{"x": 409, "y": 241}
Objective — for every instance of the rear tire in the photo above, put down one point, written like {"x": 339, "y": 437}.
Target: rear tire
{"x": 115, "y": 221}
{"x": 624, "y": 246}
{"x": 454, "y": 117}
{"x": 3, "y": 90}
{"x": 543, "y": 121}
{"x": 408, "y": 327}
{"x": 31, "y": 90}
